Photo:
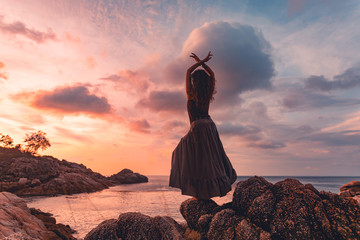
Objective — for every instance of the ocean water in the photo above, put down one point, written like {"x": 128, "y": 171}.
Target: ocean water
{"x": 85, "y": 211}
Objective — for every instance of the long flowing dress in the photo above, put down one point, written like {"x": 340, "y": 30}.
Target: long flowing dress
{"x": 199, "y": 165}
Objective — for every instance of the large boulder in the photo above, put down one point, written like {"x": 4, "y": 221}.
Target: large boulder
{"x": 351, "y": 190}
{"x": 134, "y": 225}
{"x": 246, "y": 192}
{"x": 353, "y": 186}
{"x": 17, "y": 221}
{"x": 192, "y": 209}
{"x": 223, "y": 224}
{"x": 126, "y": 176}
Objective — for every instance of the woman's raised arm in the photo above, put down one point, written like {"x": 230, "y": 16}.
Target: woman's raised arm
{"x": 188, "y": 77}
{"x": 206, "y": 67}
{"x": 193, "y": 67}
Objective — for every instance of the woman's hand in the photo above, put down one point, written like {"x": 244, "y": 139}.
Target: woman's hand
{"x": 208, "y": 57}
{"x": 193, "y": 55}
{"x": 197, "y": 59}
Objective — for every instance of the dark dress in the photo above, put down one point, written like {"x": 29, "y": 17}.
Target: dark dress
{"x": 199, "y": 165}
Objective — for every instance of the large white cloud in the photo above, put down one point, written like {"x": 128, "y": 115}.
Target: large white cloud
{"x": 241, "y": 61}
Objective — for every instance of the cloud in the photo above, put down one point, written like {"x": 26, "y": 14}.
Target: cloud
{"x": 165, "y": 100}
{"x": 174, "y": 125}
{"x": 341, "y": 138}
{"x": 142, "y": 126}
{"x": 349, "y": 79}
{"x": 249, "y": 132}
{"x": 66, "y": 100}
{"x": 70, "y": 134}
{"x": 130, "y": 81}
{"x": 253, "y": 135}
{"x": 3, "y": 74}
{"x": 267, "y": 144}
{"x": 241, "y": 62}
{"x": 19, "y": 28}
{"x": 299, "y": 100}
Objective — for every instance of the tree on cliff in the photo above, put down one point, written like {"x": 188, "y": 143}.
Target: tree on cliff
{"x": 36, "y": 140}
{"x": 6, "y": 140}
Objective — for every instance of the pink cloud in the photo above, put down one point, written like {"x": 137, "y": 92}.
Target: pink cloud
{"x": 19, "y": 28}
{"x": 130, "y": 81}
{"x": 73, "y": 38}
{"x": 67, "y": 100}
{"x": 242, "y": 58}
{"x": 90, "y": 62}
{"x": 164, "y": 101}
{"x": 3, "y": 73}
{"x": 141, "y": 126}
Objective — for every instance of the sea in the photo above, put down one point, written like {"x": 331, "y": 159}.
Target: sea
{"x": 83, "y": 212}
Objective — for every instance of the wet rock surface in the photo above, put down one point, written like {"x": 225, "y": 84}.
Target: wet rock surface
{"x": 17, "y": 221}
{"x": 28, "y": 175}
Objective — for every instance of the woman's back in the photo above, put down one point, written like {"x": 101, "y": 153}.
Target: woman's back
{"x": 197, "y": 112}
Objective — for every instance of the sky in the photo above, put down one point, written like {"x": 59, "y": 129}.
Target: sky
{"x": 106, "y": 81}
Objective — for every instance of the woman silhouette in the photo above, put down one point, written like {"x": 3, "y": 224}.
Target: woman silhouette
{"x": 199, "y": 165}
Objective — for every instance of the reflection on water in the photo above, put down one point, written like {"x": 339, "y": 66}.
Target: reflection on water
{"x": 85, "y": 211}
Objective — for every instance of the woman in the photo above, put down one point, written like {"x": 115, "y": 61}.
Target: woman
{"x": 199, "y": 166}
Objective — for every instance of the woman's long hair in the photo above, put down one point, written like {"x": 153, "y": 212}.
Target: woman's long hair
{"x": 204, "y": 88}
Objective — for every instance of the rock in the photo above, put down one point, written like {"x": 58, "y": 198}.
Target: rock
{"x": 168, "y": 228}
{"x": 35, "y": 182}
{"x": 347, "y": 193}
{"x": 261, "y": 210}
{"x": 192, "y": 209}
{"x": 137, "y": 226}
{"x": 351, "y": 190}
{"x": 126, "y": 176}
{"x": 293, "y": 215}
{"x": 223, "y": 225}
{"x": 61, "y": 230}
{"x": 245, "y": 230}
{"x": 23, "y": 181}
{"x": 357, "y": 198}
{"x": 105, "y": 230}
{"x": 18, "y": 222}
{"x": 246, "y": 191}
{"x": 311, "y": 188}
{"x": 353, "y": 186}
{"x": 285, "y": 210}
{"x": 204, "y": 224}
{"x": 28, "y": 175}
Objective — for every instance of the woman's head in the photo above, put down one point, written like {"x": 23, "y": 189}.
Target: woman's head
{"x": 203, "y": 86}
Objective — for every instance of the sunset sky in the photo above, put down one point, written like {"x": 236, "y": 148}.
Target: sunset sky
{"x": 105, "y": 81}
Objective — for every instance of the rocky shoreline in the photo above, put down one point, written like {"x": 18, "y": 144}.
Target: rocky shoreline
{"x": 24, "y": 174}
{"x": 259, "y": 210}
{"x": 17, "y": 221}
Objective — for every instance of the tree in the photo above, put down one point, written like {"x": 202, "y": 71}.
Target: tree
{"x": 6, "y": 140}
{"x": 36, "y": 140}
